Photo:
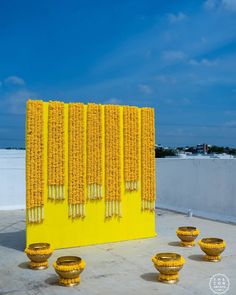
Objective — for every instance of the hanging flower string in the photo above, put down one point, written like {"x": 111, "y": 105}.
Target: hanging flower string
{"x": 76, "y": 159}
{"x": 56, "y": 150}
{"x": 94, "y": 151}
{"x": 148, "y": 159}
{"x": 131, "y": 148}
{"x": 34, "y": 162}
{"x": 85, "y": 161}
{"x": 112, "y": 161}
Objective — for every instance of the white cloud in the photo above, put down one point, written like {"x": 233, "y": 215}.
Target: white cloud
{"x": 113, "y": 100}
{"x": 14, "y": 80}
{"x": 210, "y": 4}
{"x": 15, "y": 101}
{"x": 226, "y": 4}
{"x": 229, "y": 5}
{"x": 145, "y": 88}
{"x": 173, "y": 55}
{"x": 204, "y": 62}
{"x": 165, "y": 79}
{"x": 231, "y": 123}
{"x": 230, "y": 113}
{"x": 175, "y": 18}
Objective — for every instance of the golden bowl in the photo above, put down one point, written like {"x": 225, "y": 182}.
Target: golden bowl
{"x": 187, "y": 235}
{"x": 169, "y": 265}
{"x": 38, "y": 253}
{"x": 213, "y": 247}
{"x": 69, "y": 269}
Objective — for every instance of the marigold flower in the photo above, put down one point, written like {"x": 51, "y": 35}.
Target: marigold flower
{"x": 131, "y": 135}
{"x": 94, "y": 151}
{"x": 34, "y": 161}
{"x": 160, "y": 262}
{"x": 76, "y": 160}
{"x": 188, "y": 232}
{"x": 212, "y": 245}
{"x": 148, "y": 159}
{"x": 112, "y": 160}
{"x": 56, "y": 150}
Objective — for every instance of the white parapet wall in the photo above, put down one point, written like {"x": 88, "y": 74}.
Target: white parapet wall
{"x": 205, "y": 186}
{"x": 12, "y": 179}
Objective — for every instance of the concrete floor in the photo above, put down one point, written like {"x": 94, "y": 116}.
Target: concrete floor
{"x": 117, "y": 268}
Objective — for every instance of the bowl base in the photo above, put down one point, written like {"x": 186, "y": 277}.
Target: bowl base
{"x": 212, "y": 258}
{"x": 38, "y": 265}
{"x": 69, "y": 282}
{"x": 168, "y": 279}
{"x": 187, "y": 244}
{"x": 68, "y": 285}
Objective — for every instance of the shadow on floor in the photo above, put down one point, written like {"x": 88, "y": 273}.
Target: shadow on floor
{"x": 196, "y": 257}
{"x": 13, "y": 240}
{"x": 52, "y": 280}
{"x": 149, "y": 276}
{"x": 24, "y": 265}
{"x": 174, "y": 244}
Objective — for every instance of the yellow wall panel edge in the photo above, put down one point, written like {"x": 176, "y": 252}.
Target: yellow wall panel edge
{"x": 62, "y": 232}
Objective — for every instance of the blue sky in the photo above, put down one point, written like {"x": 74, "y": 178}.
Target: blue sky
{"x": 176, "y": 56}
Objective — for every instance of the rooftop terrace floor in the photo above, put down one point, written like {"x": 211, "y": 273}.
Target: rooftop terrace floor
{"x": 118, "y": 268}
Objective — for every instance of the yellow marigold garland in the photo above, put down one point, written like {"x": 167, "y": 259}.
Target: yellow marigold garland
{"x": 211, "y": 245}
{"x": 148, "y": 158}
{"x": 188, "y": 233}
{"x": 38, "y": 251}
{"x": 131, "y": 147}
{"x": 112, "y": 161}
{"x": 56, "y": 150}
{"x": 160, "y": 262}
{"x": 34, "y": 162}
{"x": 34, "y": 264}
{"x": 94, "y": 151}
{"x": 76, "y": 160}
{"x": 67, "y": 282}
{"x": 75, "y": 266}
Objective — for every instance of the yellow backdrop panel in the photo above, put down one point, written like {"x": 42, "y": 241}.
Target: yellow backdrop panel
{"x": 61, "y": 231}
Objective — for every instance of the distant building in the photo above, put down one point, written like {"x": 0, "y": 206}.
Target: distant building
{"x": 202, "y": 148}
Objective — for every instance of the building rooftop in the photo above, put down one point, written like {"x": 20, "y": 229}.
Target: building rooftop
{"x": 118, "y": 268}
